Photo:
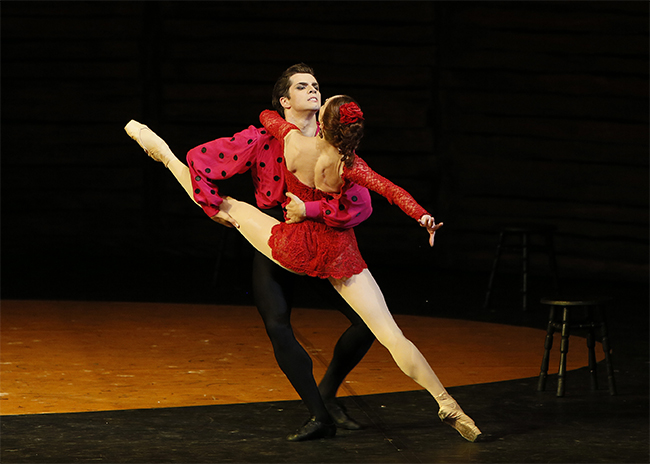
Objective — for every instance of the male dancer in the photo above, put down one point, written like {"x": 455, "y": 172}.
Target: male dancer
{"x": 296, "y": 96}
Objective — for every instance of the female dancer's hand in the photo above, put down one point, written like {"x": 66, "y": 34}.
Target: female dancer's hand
{"x": 430, "y": 223}
{"x": 296, "y": 211}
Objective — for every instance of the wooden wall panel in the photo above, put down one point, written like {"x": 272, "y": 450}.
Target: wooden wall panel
{"x": 545, "y": 119}
{"x": 486, "y": 112}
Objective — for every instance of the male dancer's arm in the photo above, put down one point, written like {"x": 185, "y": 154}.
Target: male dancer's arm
{"x": 255, "y": 150}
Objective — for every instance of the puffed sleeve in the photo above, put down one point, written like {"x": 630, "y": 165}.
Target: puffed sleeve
{"x": 345, "y": 210}
{"x": 220, "y": 159}
{"x": 363, "y": 175}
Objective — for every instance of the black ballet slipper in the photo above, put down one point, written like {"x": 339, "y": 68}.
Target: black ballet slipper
{"x": 313, "y": 430}
{"x": 340, "y": 416}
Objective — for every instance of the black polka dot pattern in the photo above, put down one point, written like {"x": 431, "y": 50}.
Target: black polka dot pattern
{"x": 203, "y": 150}
{"x": 279, "y": 160}
{"x": 328, "y": 212}
{"x": 221, "y": 156}
{"x": 341, "y": 207}
{"x": 197, "y": 191}
{"x": 235, "y": 158}
{"x": 223, "y": 173}
{"x": 354, "y": 198}
{"x": 197, "y": 178}
{"x": 262, "y": 164}
{"x": 250, "y": 141}
{"x": 276, "y": 178}
{"x": 266, "y": 147}
{"x": 248, "y": 163}
{"x": 208, "y": 170}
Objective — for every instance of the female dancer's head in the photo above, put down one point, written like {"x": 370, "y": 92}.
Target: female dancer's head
{"x": 341, "y": 122}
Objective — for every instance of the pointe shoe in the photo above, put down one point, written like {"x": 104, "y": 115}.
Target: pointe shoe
{"x": 313, "y": 430}
{"x": 340, "y": 416}
{"x": 452, "y": 414}
{"x": 152, "y": 144}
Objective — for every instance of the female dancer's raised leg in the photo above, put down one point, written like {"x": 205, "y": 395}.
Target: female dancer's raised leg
{"x": 254, "y": 225}
{"x": 363, "y": 294}
{"x": 157, "y": 149}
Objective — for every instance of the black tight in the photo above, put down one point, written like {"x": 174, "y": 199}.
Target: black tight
{"x": 349, "y": 350}
{"x": 273, "y": 291}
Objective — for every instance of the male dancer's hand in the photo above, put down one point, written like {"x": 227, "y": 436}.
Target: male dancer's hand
{"x": 225, "y": 219}
{"x": 296, "y": 211}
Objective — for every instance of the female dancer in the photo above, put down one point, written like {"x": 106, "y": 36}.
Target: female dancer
{"x": 316, "y": 167}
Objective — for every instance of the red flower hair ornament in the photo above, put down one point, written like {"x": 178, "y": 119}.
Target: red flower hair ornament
{"x": 350, "y": 113}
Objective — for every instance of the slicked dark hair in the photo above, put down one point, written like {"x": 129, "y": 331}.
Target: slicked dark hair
{"x": 283, "y": 84}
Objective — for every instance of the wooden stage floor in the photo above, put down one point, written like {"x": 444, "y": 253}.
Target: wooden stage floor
{"x": 194, "y": 383}
{"x": 72, "y": 356}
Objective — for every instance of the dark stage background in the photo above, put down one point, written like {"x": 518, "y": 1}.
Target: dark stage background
{"x": 487, "y": 112}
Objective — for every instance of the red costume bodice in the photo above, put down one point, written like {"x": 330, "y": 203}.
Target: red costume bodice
{"x": 317, "y": 249}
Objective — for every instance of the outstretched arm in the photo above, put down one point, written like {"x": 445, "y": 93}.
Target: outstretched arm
{"x": 363, "y": 175}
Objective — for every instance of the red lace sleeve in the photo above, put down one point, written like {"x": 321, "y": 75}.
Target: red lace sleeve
{"x": 363, "y": 175}
{"x": 276, "y": 125}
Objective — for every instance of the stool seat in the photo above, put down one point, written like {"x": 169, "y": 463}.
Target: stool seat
{"x": 591, "y": 317}
{"x": 567, "y": 300}
{"x": 524, "y": 234}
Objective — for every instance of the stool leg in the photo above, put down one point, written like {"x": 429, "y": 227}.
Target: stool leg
{"x": 548, "y": 344}
{"x": 564, "y": 349}
{"x": 607, "y": 349}
{"x": 524, "y": 271}
{"x": 591, "y": 343}
{"x": 495, "y": 265}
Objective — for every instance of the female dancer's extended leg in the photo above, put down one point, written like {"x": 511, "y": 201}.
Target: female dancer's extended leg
{"x": 363, "y": 294}
{"x": 255, "y": 226}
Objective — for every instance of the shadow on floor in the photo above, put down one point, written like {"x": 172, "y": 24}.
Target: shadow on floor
{"x": 525, "y": 426}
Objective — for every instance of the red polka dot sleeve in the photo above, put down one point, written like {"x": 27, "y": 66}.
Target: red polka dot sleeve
{"x": 251, "y": 149}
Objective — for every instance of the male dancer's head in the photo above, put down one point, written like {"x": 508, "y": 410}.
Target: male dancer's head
{"x": 296, "y": 96}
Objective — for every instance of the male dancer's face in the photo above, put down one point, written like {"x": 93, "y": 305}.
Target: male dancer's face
{"x": 304, "y": 94}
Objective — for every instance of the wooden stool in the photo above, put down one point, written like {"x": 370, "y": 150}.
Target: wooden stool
{"x": 524, "y": 233}
{"x": 593, "y": 317}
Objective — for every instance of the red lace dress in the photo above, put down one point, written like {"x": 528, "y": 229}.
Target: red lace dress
{"x": 314, "y": 248}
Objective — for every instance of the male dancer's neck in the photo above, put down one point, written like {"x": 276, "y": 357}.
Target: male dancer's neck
{"x": 305, "y": 121}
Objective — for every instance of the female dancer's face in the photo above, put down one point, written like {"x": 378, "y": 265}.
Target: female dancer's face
{"x": 304, "y": 93}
